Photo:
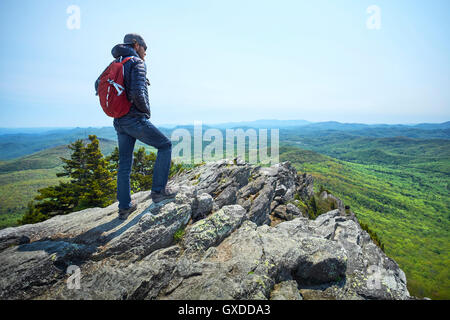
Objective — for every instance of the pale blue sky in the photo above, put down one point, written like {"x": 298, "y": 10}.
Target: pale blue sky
{"x": 220, "y": 61}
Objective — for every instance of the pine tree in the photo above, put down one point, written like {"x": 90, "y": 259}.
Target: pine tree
{"x": 91, "y": 184}
{"x": 75, "y": 167}
{"x": 113, "y": 160}
{"x": 59, "y": 199}
{"x": 142, "y": 170}
{"x": 99, "y": 186}
{"x": 32, "y": 215}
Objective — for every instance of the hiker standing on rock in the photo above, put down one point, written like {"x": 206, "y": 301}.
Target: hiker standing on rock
{"x": 131, "y": 119}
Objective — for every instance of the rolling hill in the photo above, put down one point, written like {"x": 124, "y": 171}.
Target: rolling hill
{"x": 21, "y": 178}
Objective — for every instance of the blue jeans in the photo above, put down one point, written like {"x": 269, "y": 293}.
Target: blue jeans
{"x": 129, "y": 128}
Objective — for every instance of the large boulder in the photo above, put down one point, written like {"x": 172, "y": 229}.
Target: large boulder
{"x": 214, "y": 240}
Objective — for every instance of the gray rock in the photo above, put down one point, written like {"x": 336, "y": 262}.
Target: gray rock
{"x": 293, "y": 211}
{"x": 287, "y": 212}
{"x": 203, "y": 206}
{"x": 227, "y": 196}
{"x": 119, "y": 279}
{"x": 212, "y": 230}
{"x": 305, "y": 186}
{"x": 326, "y": 263}
{"x": 280, "y": 212}
{"x": 213, "y": 241}
{"x": 150, "y": 232}
{"x": 259, "y": 211}
{"x": 286, "y": 290}
{"x": 27, "y": 270}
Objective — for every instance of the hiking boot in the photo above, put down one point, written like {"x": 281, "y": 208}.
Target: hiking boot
{"x": 124, "y": 213}
{"x": 164, "y": 194}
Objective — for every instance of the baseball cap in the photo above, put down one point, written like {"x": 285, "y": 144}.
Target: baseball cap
{"x": 131, "y": 38}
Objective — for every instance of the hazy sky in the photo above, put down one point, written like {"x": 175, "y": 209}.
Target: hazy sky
{"x": 220, "y": 61}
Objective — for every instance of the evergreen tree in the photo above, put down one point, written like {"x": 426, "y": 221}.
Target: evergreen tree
{"x": 32, "y": 215}
{"x": 75, "y": 167}
{"x": 113, "y": 160}
{"x": 98, "y": 189}
{"x": 59, "y": 199}
{"x": 91, "y": 185}
{"x": 142, "y": 170}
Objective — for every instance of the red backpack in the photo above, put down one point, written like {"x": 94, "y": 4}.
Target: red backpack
{"x": 111, "y": 90}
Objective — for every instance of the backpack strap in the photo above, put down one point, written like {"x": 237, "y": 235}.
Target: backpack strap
{"x": 123, "y": 61}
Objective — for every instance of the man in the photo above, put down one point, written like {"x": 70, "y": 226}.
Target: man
{"x": 136, "y": 125}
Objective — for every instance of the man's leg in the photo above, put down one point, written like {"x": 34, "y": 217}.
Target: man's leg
{"x": 162, "y": 168}
{"x": 155, "y": 138}
{"x": 143, "y": 130}
{"x": 126, "y": 147}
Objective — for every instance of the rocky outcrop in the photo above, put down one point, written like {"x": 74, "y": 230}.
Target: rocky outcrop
{"x": 234, "y": 231}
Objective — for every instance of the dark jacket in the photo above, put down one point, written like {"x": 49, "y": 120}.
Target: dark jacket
{"x": 135, "y": 80}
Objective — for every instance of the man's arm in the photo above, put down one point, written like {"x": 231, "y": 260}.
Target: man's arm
{"x": 138, "y": 87}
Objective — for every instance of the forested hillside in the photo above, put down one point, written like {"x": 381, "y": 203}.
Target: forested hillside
{"x": 395, "y": 178}
{"x": 21, "y": 178}
{"x": 406, "y": 205}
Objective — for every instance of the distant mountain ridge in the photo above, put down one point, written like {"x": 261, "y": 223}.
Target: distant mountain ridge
{"x": 14, "y": 145}
{"x": 265, "y": 123}
{"x": 262, "y": 123}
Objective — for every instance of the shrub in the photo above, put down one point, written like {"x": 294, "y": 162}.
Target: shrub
{"x": 373, "y": 235}
{"x": 178, "y": 235}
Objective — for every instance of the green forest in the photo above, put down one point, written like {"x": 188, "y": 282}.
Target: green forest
{"x": 398, "y": 186}
{"x": 407, "y": 206}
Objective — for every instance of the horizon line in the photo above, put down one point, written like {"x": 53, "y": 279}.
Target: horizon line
{"x": 227, "y": 122}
